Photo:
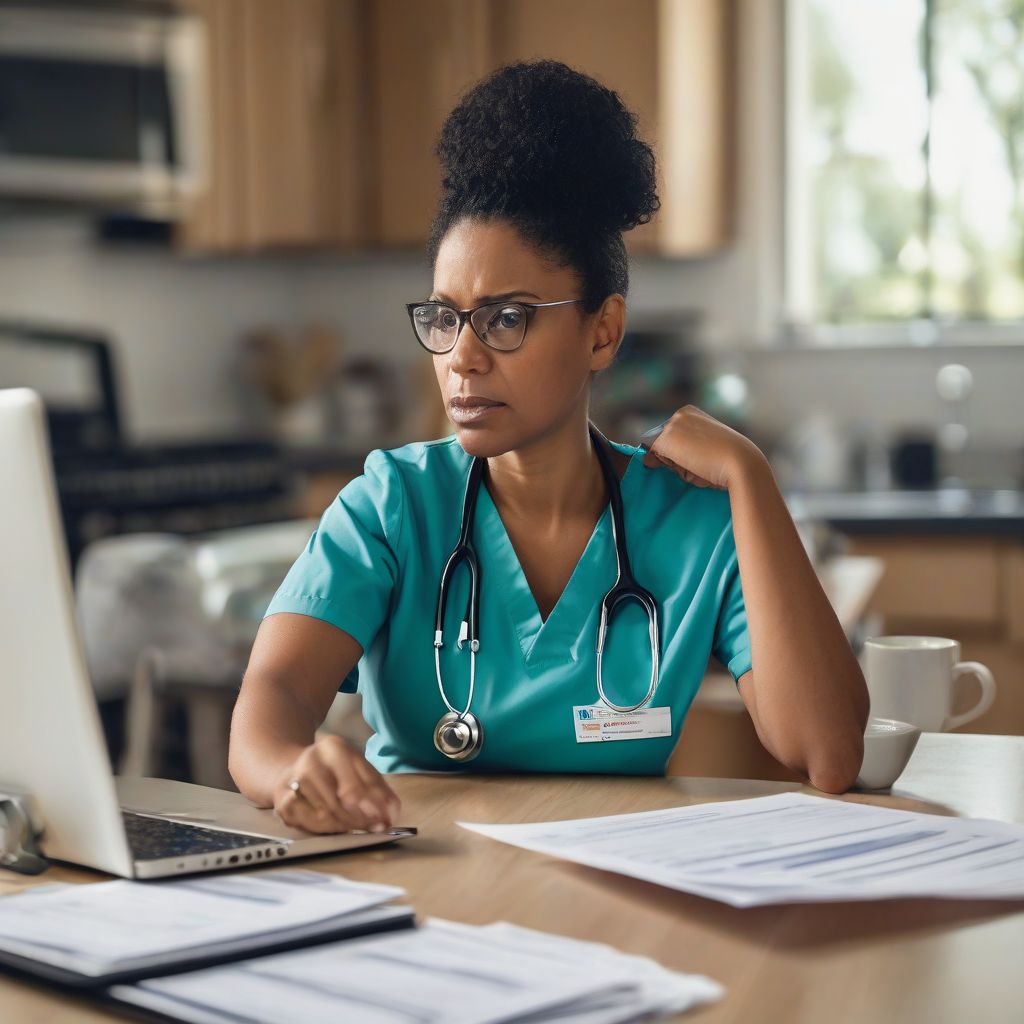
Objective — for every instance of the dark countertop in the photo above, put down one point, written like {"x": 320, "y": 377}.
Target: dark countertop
{"x": 940, "y": 511}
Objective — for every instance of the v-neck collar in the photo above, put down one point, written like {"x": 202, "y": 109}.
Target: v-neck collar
{"x": 559, "y": 633}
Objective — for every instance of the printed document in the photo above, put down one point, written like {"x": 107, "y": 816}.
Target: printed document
{"x": 102, "y": 926}
{"x": 441, "y": 971}
{"x": 792, "y": 847}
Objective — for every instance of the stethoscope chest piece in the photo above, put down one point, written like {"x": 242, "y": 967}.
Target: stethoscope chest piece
{"x": 459, "y": 737}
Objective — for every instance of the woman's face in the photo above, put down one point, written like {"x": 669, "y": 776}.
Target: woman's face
{"x": 546, "y": 381}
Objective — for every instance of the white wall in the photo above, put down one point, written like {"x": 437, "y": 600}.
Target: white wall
{"x": 175, "y": 323}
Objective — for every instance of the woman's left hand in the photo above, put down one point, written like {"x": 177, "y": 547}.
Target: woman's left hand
{"x": 702, "y": 450}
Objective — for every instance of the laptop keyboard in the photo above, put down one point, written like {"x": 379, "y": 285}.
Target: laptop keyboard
{"x": 155, "y": 838}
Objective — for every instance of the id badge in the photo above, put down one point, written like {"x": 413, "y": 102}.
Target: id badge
{"x": 598, "y": 723}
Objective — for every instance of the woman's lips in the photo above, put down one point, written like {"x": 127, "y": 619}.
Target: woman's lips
{"x": 472, "y": 410}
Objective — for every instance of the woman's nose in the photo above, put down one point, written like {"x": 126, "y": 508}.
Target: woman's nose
{"x": 469, "y": 352}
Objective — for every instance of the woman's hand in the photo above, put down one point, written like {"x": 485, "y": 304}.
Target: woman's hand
{"x": 339, "y": 790}
{"x": 701, "y": 450}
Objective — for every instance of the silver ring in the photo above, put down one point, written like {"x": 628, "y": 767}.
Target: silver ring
{"x": 294, "y": 787}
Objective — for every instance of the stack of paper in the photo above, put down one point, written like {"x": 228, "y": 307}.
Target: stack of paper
{"x": 123, "y": 929}
{"x": 442, "y": 971}
{"x": 790, "y": 848}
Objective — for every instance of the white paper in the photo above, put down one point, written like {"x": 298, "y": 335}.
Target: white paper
{"x": 661, "y": 991}
{"x": 441, "y": 971}
{"x": 97, "y": 927}
{"x": 792, "y": 847}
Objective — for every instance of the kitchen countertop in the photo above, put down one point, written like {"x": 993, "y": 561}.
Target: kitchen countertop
{"x": 943, "y": 510}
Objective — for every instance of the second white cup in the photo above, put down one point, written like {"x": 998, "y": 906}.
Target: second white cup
{"x": 913, "y": 679}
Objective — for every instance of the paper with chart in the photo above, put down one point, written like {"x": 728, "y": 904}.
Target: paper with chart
{"x": 441, "y": 971}
{"x": 792, "y": 847}
{"x": 93, "y": 929}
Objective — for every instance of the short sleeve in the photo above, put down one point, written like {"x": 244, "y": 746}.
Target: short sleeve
{"x": 349, "y": 568}
{"x": 731, "y": 645}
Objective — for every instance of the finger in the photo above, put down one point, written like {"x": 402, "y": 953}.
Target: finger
{"x": 348, "y": 784}
{"x": 297, "y": 812}
{"x": 291, "y": 809}
{"x": 674, "y": 466}
{"x": 385, "y": 797}
{"x": 377, "y": 799}
{"x": 320, "y": 778}
{"x": 321, "y": 820}
{"x": 309, "y": 810}
{"x": 309, "y": 792}
{"x": 653, "y": 459}
{"x": 372, "y": 777}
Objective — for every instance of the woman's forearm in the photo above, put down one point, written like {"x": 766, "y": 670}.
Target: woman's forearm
{"x": 810, "y": 695}
{"x": 270, "y": 727}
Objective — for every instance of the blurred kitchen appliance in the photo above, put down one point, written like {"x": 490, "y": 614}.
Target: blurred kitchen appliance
{"x": 101, "y": 104}
{"x": 915, "y": 459}
{"x": 107, "y": 485}
{"x": 74, "y": 371}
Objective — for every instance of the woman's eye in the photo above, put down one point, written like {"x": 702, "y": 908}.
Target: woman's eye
{"x": 507, "y": 318}
{"x": 447, "y": 319}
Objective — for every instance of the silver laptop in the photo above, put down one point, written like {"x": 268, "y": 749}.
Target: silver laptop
{"x": 51, "y": 742}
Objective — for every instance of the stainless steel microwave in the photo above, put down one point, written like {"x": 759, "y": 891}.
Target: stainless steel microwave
{"x": 102, "y": 105}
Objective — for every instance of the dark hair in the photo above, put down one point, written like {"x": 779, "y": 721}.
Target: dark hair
{"x": 555, "y": 154}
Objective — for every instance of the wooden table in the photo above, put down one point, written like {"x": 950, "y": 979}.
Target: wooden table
{"x": 895, "y": 960}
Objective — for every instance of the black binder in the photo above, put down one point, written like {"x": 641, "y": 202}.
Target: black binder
{"x": 382, "y": 918}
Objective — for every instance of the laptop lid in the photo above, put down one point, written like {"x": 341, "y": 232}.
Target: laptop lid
{"x": 51, "y": 740}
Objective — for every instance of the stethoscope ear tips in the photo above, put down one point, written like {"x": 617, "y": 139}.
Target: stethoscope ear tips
{"x": 648, "y": 438}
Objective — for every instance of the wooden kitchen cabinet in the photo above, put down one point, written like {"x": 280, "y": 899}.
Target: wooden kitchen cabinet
{"x": 672, "y": 63}
{"x": 286, "y": 127}
{"x": 670, "y": 60}
{"x": 323, "y": 114}
{"x": 423, "y": 56}
{"x": 968, "y": 588}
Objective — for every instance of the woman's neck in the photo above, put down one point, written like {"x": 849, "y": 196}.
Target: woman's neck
{"x": 553, "y": 481}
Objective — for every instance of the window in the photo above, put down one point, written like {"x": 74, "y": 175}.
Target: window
{"x": 905, "y": 169}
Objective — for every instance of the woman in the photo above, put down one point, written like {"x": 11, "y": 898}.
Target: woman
{"x": 543, "y": 173}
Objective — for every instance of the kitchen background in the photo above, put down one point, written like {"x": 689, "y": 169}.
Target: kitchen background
{"x": 212, "y": 212}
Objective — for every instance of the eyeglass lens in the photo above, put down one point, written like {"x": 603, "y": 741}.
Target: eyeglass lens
{"x": 501, "y": 325}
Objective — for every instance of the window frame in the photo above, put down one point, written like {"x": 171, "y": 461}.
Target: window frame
{"x": 798, "y": 327}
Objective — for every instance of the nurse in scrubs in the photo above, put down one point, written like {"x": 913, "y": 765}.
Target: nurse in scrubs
{"x": 542, "y": 173}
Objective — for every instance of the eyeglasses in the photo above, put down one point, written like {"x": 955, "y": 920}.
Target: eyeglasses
{"x": 502, "y": 325}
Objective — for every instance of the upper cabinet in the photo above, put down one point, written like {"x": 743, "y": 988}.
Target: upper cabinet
{"x": 324, "y": 113}
{"x": 422, "y": 57}
{"x": 288, "y": 165}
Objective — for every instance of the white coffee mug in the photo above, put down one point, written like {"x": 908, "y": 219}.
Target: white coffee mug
{"x": 913, "y": 679}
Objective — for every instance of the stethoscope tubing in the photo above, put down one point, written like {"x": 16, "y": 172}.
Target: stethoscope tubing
{"x": 625, "y": 588}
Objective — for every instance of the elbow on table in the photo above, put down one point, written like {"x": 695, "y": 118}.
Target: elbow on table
{"x": 837, "y": 770}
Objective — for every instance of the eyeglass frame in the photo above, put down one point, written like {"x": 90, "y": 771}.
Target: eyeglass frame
{"x": 465, "y": 315}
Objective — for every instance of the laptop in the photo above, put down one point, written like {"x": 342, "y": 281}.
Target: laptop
{"x": 51, "y": 742}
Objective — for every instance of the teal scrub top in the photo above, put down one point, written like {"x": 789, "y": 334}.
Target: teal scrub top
{"x": 373, "y": 565}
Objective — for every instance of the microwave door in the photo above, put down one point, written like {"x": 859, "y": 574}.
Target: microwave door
{"x": 93, "y": 108}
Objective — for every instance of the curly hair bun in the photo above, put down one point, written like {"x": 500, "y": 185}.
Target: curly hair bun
{"x": 540, "y": 139}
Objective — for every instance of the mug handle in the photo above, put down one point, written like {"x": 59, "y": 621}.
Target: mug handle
{"x": 988, "y": 693}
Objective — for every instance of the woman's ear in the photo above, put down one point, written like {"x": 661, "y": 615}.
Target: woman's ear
{"x": 609, "y": 328}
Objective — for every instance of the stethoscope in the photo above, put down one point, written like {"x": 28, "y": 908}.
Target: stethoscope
{"x": 460, "y": 734}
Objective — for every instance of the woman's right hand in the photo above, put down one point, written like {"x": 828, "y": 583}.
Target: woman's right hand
{"x": 339, "y": 790}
